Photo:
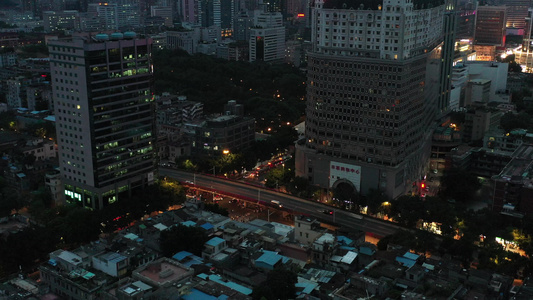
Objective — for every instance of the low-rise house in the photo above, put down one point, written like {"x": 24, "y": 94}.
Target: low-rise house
{"x": 213, "y": 247}
{"x": 323, "y": 248}
{"x": 111, "y": 263}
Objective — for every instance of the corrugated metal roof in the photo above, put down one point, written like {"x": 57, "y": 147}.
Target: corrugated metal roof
{"x": 349, "y": 257}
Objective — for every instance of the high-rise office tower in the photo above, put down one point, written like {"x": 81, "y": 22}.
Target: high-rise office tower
{"x": 190, "y": 11}
{"x": 241, "y": 26}
{"x": 104, "y": 16}
{"x": 373, "y": 87}
{"x": 466, "y": 19}
{"x": 516, "y": 12}
{"x": 490, "y": 25}
{"x": 128, "y": 14}
{"x": 164, "y": 12}
{"x": 209, "y": 12}
{"x": 448, "y": 54}
{"x": 525, "y": 55}
{"x": 227, "y": 12}
{"x": 104, "y": 116}
{"x": 267, "y": 37}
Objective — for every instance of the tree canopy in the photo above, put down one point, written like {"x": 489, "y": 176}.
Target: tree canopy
{"x": 183, "y": 238}
{"x": 273, "y": 94}
{"x": 458, "y": 184}
{"x": 280, "y": 285}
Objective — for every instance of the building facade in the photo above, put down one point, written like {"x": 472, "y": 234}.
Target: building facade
{"x": 373, "y": 87}
{"x": 267, "y": 38}
{"x": 525, "y": 55}
{"x": 490, "y": 25}
{"x": 61, "y": 20}
{"x": 104, "y": 116}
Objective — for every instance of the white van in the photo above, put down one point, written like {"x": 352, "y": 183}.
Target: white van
{"x": 276, "y": 203}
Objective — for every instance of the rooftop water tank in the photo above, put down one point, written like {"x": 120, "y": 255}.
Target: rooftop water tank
{"x": 117, "y": 36}
{"x": 130, "y": 35}
{"x": 102, "y": 37}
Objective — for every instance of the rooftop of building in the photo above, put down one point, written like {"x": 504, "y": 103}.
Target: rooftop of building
{"x": 520, "y": 166}
{"x": 480, "y": 81}
{"x": 326, "y": 238}
{"x": 375, "y": 4}
{"x": 225, "y": 283}
{"x": 163, "y": 272}
{"x": 215, "y": 242}
{"x": 89, "y": 281}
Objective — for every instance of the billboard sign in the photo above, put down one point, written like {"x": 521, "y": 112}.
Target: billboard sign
{"x": 338, "y": 170}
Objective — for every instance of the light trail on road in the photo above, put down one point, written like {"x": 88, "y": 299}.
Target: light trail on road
{"x": 346, "y": 219}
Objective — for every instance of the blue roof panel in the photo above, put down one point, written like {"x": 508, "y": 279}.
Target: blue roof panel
{"x": 411, "y": 255}
{"x": 207, "y": 226}
{"x": 405, "y": 261}
{"x": 215, "y": 241}
{"x": 181, "y": 255}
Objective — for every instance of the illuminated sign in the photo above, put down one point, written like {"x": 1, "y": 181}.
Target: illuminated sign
{"x": 73, "y": 195}
{"x": 300, "y": 15}
{"x": 338, "y": 171}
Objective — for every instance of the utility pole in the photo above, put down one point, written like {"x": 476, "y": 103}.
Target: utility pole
{"x": 268, "y": 214}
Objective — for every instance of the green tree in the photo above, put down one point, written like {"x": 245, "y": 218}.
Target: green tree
{"x": 458, "y": 184}
{"x": 182, "y": 238}
{"x": 408, "y": 210}
{"x": 280, "y": 285}
{"x": 375, "y": 200}
{"x": 10, "y": 200}
{"x": 511, "y": 121}
{"x": 215, "y": 208}
{"x": 514, "y": 67}
{"x": 24, "y": 248}
{"x": 7, "y": 120}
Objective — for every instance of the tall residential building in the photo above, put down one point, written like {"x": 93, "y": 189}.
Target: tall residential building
{"x": 128, "y": 14}
{"x": 16, "y": 92}
{"x": 61, "y": 20}
{"x": 490, "y": 25}
{"x": 104, "y": 116}
{"x": 372, "y": 94}
{"x": 267, "y": 37}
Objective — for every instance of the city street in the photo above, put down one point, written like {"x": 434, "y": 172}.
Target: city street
{"x": 293, "y": 204}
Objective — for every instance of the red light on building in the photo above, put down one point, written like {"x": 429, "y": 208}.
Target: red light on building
{"x": 423, "y": 185}
{"x": 300, "y": 15}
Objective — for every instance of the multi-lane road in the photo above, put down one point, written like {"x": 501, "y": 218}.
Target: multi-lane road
{"x": 345, "y": 219}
